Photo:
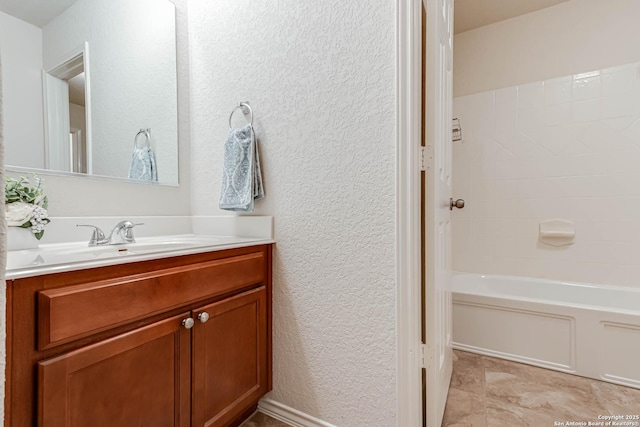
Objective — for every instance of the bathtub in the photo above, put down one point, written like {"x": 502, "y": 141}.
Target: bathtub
{"x": 587, "y": 330}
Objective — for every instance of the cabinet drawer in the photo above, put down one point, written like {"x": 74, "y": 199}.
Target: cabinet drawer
{"x": 72, "y": 312}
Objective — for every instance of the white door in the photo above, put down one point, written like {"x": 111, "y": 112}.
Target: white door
{"x": 438, "y": 138}
{"x": 57, "y": 125}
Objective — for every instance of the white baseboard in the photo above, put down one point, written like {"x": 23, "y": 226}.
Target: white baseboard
{"x": 288, "y": 415}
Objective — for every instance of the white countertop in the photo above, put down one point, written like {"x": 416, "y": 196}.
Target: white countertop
{"x": 61, "y": 257}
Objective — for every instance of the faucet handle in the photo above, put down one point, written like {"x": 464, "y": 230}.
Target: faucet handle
{"x": 127, "y": 224}
{"x": 128, "y": 231}
{"x": 97, "y": 236}
{"x": 123, "y": 233}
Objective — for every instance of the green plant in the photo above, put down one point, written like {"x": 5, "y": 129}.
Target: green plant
{"x": 26, "y": 204}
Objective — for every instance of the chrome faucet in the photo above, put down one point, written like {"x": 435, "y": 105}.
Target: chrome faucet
{"x": 121, "y": 234}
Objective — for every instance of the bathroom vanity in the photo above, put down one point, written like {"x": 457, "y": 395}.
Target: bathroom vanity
{"x": 180, "y": 340}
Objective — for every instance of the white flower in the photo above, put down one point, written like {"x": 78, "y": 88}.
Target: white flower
{"x": 38, "y": 200}
{"x": 18, "y": 213}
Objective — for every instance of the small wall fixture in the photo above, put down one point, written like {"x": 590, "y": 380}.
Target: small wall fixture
{"x": 457, "y": 130}
{"x": 557, "y": 232}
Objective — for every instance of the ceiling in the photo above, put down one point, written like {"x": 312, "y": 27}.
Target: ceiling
{"x": 471, "y": 14}
{"x": 36, "y": 12}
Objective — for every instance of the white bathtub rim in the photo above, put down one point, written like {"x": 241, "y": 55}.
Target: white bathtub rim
{"x": 556, "y": 303}
{"x": 547, "y": 280}
{"x": 593, "y": 330}
{"x": 505, "y": 299}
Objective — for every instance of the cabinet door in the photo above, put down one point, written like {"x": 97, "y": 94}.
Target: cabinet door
{"x": 229, "y": 358}
{"x": 141, "y": 378}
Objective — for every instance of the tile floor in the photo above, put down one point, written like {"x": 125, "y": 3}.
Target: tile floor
{"x": 490, "y": 392}
{"x": 261, "y": 420}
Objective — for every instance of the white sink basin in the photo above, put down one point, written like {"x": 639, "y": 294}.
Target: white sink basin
{"x": 69, "y": 254}
{"x": 145, "y": 246}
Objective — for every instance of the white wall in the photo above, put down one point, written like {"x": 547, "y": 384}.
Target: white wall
{"x": 132, "y": 77}
{"x": 3, "y": 253}
{"x": 21, "y": 50}
{"x": 565, "y": 147}
{"x": 566, "y": 39}
{"x": 320, "y": 77}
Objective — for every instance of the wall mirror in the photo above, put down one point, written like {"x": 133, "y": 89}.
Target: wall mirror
{"x": 88, "y": 85}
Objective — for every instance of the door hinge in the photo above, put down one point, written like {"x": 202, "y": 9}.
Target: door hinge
{"x": 426, "y": 356}
{"x": 426, "y": 157}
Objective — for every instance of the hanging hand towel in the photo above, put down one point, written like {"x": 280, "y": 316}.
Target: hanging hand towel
{"x": 241, "y": 178}
{"x": 143, "y": 165}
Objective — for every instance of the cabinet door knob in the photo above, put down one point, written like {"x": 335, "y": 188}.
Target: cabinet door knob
{"x": 203, "y": 317}
{"x": 188, "y": 323}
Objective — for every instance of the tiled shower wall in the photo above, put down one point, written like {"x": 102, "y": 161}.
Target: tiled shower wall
{"x": 563, "y": 148}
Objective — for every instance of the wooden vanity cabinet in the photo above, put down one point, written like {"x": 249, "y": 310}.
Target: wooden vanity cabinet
{"x": 140, "y": 378}
{"x": 230, "y": 358}
{"x": 182, "y": 341}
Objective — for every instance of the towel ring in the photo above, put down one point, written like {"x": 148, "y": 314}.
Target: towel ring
{"x": 147, "y": 134}
{"x": 246, "y": 108}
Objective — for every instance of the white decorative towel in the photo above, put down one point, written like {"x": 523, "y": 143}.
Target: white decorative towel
{"x": 241, "y": 177}
{"x": 143, "y": 165}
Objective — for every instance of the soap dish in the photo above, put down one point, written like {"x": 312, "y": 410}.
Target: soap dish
{"x": 557, "y": 232}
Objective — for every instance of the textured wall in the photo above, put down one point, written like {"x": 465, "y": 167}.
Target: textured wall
{"x": 21, "y": 49}
{"x": 562, "y": 148}
{"x": 320, "y": 77}
{"x": 570, "y": 38}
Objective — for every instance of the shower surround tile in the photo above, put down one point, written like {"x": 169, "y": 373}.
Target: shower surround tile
{"x": 567, "y": 147}
{"x": 557, "y": 91}
{"x": 487, "y": 392}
